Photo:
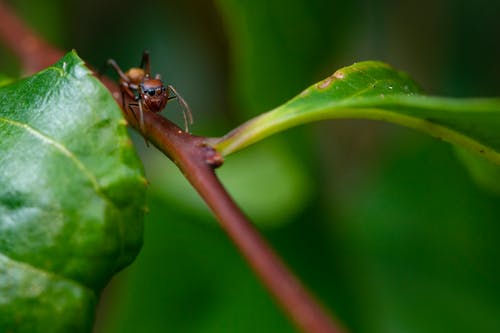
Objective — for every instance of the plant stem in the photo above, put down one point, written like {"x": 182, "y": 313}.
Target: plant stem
{"x": 197, "y": 161}
{"x": 34, "y": 53}
{"x": 189, "y": 153}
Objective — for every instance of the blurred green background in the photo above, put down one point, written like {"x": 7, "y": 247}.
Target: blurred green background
{"x": 384, "y": 224}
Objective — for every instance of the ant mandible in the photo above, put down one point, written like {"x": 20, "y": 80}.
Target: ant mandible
{"x": 149, "y": 93}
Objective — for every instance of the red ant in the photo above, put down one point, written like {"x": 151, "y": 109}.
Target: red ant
{"x": 150, "y": 94}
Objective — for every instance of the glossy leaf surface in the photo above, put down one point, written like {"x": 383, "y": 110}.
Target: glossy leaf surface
{"x": 71, "y": 198}
{"x": 374, "y": 90}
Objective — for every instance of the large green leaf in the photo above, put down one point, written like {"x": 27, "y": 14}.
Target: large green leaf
{"x": 71, "y": 198}
{"x": 374, "y": 90}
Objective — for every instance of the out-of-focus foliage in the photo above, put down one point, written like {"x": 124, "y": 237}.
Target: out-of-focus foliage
{"x": 393, "y": 235}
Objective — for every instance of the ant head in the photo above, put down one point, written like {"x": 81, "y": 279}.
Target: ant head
{"x": 154, "y": 94}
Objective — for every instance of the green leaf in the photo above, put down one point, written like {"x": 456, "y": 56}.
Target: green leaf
{"x": 374, "y": 90}
{"x": 71, "y": 198}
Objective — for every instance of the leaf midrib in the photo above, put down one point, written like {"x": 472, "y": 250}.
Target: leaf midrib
{"x": 60, "y": 147}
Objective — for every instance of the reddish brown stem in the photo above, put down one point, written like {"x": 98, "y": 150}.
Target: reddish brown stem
{"x": 189, "y": 153}
{"x": 32, "y": 50}
{"x": 197, "y": 161}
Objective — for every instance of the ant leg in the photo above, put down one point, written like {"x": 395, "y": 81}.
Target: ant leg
{"x": 186, "y": 111}
{"x": 123, "y": 99}
{"x": 118, "y": 70}
{"x": 145, "y": 63}
{"x": 130, "y": 106}
{"x": 125, "y": 89}
{"x": 141, "y": 116}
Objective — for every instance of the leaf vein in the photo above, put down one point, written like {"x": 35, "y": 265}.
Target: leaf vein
{"x": 3, "y": 256}
{"x": 61, "y": 148}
